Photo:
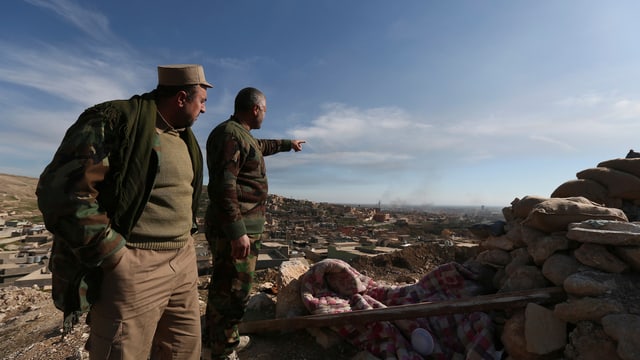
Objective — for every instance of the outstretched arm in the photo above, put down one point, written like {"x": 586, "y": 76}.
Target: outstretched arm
{"x": 271, "y": 146}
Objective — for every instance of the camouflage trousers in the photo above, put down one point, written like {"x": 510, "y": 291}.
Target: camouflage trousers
{"x": 229, "y": 290}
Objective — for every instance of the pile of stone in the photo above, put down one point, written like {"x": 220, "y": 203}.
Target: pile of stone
{"x": 582, "y": 238}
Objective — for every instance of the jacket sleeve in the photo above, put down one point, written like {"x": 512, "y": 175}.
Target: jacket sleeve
{"x": 68, "y": 192}
{"x": 270, "y": 147}
{"x": 230, "y": 159}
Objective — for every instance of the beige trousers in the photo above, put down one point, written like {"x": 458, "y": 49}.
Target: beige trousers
{"x": 148, "y": 308}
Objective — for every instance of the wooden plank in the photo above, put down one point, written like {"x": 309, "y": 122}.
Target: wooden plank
{"x": 425, "y": 309}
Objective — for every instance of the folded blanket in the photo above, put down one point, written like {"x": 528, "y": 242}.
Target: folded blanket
{"x": 333, "y": 286}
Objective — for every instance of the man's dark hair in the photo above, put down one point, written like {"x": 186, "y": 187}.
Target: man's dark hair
{"x": 247, "y": 98}
{"x": 164, "y": 91}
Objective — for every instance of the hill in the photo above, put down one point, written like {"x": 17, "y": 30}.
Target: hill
{"x": 18, "y": 196}
{"x": 18, "y": 187}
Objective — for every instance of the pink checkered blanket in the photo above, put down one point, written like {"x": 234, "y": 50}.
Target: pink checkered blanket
{"x": 333, "y": 286}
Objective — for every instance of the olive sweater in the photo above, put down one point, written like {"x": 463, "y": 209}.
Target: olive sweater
{"x": 95, "y": 189}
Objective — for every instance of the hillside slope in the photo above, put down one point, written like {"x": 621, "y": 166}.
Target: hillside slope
{"x": 18, "y": 194}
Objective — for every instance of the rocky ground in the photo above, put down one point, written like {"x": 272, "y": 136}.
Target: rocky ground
{"x": 30, "y": 324}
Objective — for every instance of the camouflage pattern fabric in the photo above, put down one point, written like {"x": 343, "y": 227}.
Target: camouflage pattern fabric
{"x": 94, "y": 190}
{"x": 238, "y": 185}
{"x": 229, "y": 290}
{"x": 333, "y": 286}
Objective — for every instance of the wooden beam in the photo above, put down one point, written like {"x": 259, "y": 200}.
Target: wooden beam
{"x": 425, "y": 309}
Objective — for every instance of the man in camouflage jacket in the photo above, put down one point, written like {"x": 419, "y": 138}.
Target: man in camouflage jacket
{"x": 101, "y": 182}
{"x": 235, "y": 217}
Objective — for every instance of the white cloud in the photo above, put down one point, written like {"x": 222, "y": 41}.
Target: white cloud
{"x": 91, "y": 23}
{"x": 586, "y": 100}
{"x": 551, "y": 141}
{"x": 384, "y": 138}
{"x": 39, "y": 125}
{"x": 74, "y": 79}
{"x": 235, "y": 63}
{"x": 80, "y": 77}
{"x": 48, "y": 84}
{"x": 627, "y": 109}
{"x": 612, "y": 106}
{"x": 340, "y": 127}
{"x": 360, "y": 159}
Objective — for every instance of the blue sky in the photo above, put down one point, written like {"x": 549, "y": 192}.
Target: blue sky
{"x": 409, "y": 102}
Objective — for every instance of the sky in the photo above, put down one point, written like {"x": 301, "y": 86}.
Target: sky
{"x": 413, "y": 102}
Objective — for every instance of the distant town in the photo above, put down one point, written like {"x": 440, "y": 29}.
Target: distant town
{"x": 294, "y": 228}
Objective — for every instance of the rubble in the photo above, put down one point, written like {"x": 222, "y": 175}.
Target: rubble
{"x": 28, "y": 316}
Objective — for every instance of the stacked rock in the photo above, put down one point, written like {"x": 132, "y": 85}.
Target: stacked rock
{"x": 613, "y": 183}
{"x": 578, "y": 240}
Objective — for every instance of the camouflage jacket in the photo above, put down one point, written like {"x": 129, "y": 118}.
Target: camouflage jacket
{"x": 94, "y": 190}
{"x": 237, "y": 180}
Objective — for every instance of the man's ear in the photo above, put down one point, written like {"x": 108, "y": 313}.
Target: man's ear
{"x": 182, "y": 97}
